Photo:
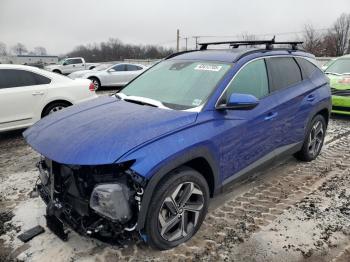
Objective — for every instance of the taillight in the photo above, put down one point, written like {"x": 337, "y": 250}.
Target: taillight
{"x": 92, "y": 86}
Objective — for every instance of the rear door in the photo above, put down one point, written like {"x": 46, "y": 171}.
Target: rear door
{"x": 251, "y": 134}
{"x": 72, "y": 65}
{"x": 21, "y": 96}
{"x": 294, "y": 99}
{"x": 132, "y": 71}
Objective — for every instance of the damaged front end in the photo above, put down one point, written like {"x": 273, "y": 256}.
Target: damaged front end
{"x": 101, "y": 201}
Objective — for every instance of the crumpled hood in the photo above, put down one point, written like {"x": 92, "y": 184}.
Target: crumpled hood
{"x": 102, "y": 130}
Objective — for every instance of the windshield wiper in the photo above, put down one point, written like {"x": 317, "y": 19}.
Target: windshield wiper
{"x": 141, "y": 100}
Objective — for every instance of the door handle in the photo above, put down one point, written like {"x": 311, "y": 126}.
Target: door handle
{"x": 38, "y": 93}
{"x": 271, "y": 116}
{"x": 310, "y": 98}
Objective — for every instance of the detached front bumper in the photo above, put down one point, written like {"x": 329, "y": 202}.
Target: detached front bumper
{"x": 67, "y": 193}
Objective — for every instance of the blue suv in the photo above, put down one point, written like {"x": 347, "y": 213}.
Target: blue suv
{"x": 149, "y": 158}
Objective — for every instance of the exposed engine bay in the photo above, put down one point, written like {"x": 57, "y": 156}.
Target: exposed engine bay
{"x": 98, "y": 201}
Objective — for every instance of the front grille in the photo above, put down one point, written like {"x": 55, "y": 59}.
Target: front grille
{"x": 341, "y": 108}
{"x": 337, "y": 92}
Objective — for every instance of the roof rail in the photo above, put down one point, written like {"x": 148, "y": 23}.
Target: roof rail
{"x": 268, "y": 43}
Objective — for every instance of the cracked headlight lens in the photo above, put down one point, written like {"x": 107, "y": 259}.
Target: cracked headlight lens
{"x": 112, "y": 201}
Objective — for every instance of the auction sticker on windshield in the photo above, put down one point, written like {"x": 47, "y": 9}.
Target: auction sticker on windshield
{"x": 206, "y": 67}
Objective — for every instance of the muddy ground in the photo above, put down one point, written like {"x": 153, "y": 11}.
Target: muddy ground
{"x": 292, "y": 211}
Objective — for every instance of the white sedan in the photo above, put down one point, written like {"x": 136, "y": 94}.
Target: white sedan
{"x": 29, "y": 93}
{"x": 116, "y": 75}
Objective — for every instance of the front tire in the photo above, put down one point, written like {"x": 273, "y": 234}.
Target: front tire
{"x": 314, "y": 139}
{"x": 177, "y": 208}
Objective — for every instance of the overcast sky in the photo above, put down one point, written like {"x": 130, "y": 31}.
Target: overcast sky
{"x": 60, "y": 25}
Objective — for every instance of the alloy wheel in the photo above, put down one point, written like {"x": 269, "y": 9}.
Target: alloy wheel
{"x": 316, "y": 138}
{"x": 96, "y": 84}
{"x": 179, "y": 213}
{"x": 55, "y": 109}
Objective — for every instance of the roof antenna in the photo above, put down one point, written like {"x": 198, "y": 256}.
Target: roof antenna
{"x": 269, "y": 46}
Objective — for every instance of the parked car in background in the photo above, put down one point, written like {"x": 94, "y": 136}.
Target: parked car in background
{"x": 69, "y": 65}
{"x": 339, "y": 74}
{"x": 117, "y": 75}
{"x": 150, "y": 157}
{"x": 81, "y": 73}
{"x": 29, "y": 93}
{"x": 325, "y": 65}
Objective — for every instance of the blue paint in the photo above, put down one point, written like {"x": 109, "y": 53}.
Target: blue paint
{"x": 107, "y": 130}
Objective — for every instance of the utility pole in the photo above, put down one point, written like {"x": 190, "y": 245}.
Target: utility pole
{"x": 187, "y": 38}
{"x": 177, "y": 40}
{"x": 196, "y": 38}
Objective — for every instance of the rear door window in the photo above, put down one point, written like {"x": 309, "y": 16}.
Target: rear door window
{"x": 252, "y": 79}
{"x": 77, "y": 61}
{"x": 133, "y": 68}
{"x": 16, "y": 78}
{"x": 283, "y": 72}
{"x": 308, "y": 69}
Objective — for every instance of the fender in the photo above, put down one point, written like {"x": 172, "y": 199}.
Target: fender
{"x": 170, "y": 164}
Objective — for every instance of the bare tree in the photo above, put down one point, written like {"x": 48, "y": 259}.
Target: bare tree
{"x": 341, "y": 29}
{"x": 312, "y": 40}
{"x": 3, "y": 49}
{"x": 39, "y": 50}
{"x": 329, "y": 44}
{"x": 248, "y": 37}
{"x": 19, "y": 49}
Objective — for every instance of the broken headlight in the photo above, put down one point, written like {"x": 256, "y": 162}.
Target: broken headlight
{"x": 112, "y": 201}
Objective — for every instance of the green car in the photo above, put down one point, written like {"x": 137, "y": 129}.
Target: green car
{"x": 338, "y": 72}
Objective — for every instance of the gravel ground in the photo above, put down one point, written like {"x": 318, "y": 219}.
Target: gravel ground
{"x": 292, "y": 211}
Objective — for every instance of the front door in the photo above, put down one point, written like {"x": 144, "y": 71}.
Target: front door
{"x": 250, "y": 134}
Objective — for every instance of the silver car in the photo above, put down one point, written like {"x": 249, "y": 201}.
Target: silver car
{"x": 116, "y": 75}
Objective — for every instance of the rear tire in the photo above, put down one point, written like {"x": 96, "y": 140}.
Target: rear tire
{"x": 178, "y": 208}
{"x": 314, "y": 139}
{"x": 54, "y": 107}
{"x": 96, "y": 82}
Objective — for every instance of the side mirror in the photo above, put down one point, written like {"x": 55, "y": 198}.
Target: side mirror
{"x": 64, "y": 63}
{"x": 240, "y": 101}
{"x": 110, "y": 70}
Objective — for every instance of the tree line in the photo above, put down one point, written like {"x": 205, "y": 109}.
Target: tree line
{"x": 334, "y": 41}
{"x": 115, "y": 50}
{"x": 21, "y": 49}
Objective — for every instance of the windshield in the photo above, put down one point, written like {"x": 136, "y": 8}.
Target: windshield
{"x": 102, "y": 67}
{"x": 178, "y": 84}
{"x": 340, "y": 66}
{"x": 61, "y": 61}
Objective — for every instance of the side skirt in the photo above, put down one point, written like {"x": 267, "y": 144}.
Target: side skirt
{"x": 262, "y": 163}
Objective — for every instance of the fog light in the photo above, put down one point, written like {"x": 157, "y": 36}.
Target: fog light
{"x": 111, "y": 201}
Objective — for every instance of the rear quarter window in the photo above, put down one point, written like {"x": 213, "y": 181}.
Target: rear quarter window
{"x": 283, "y": 72}
{"x": 308, "y": 69}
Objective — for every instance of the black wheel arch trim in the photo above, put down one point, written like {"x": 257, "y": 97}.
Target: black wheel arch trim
{"x": 171, "y": 164}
